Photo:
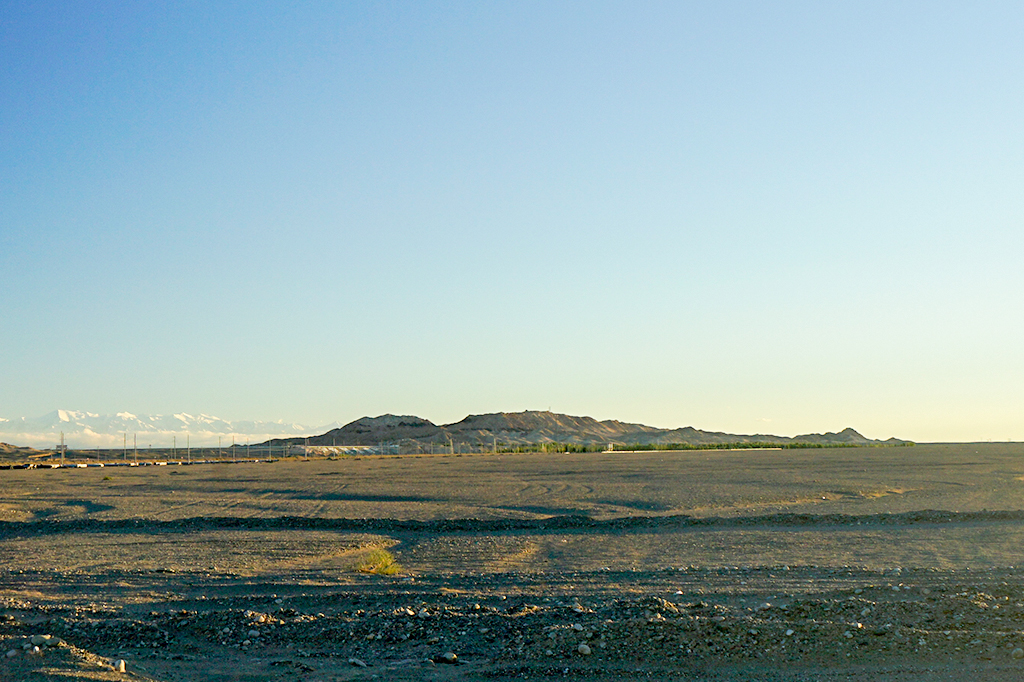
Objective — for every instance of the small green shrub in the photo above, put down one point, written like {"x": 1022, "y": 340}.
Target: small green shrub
{"x": 377, "y": 561}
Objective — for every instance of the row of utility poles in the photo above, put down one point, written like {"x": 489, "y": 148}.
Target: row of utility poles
{"x": 451, "y": 447}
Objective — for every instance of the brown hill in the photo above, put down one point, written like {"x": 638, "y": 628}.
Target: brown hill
{"x": 16, "y": 452}
{"x": 543, "y": 427}
{"x": 536, "y": 427}
{"x": 373, "y": 431}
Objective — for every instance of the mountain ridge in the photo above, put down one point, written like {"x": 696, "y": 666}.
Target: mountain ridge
{"x": 530, "y": 427}
{"x": 89, "y": 429}
{"x": 533, "y": 427}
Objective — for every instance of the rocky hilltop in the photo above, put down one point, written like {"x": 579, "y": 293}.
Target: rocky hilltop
{"x": 537, "y": 427}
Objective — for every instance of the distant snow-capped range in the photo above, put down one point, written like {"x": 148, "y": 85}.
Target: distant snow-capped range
{"x": 90, "y": 430}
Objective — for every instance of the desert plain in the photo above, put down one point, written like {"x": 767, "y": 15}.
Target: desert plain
{"x": 876, "y": 563}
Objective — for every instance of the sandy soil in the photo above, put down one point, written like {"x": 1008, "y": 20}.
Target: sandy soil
{"x": 853, "y": 564}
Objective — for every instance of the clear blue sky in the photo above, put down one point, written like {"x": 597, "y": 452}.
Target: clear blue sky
{"x": 743, "y": 216}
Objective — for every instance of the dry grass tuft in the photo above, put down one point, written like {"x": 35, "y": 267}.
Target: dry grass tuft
{"x": 377, "y": 561}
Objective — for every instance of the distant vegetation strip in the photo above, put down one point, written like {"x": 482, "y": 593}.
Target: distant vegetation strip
{"x": 760, "y": 445}
{"x": 740, "y": 445}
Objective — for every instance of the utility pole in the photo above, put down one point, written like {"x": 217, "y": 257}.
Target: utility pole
{"x": 188, "y": 447}
{"x": 62, "y": 448}
{"x": 174, "y": 447}
{"x": 124, "y": 447}
{"x": 135, "y": 446}
{"x": 220, "y": 450}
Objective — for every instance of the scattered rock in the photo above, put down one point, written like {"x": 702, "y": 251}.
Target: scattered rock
{"x": 583, "y": 649}
{"x": 357, "y": 662}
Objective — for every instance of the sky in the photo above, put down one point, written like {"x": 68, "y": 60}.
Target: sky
{"x": 752, "y": 217}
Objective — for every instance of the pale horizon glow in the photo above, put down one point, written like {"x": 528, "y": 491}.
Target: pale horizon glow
{"x": 743, "y": 217}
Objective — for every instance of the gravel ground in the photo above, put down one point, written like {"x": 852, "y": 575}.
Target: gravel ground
{"x": 613, "y": 573}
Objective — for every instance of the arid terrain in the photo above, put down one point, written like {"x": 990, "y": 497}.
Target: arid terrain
{"x": 825, "y": 564}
